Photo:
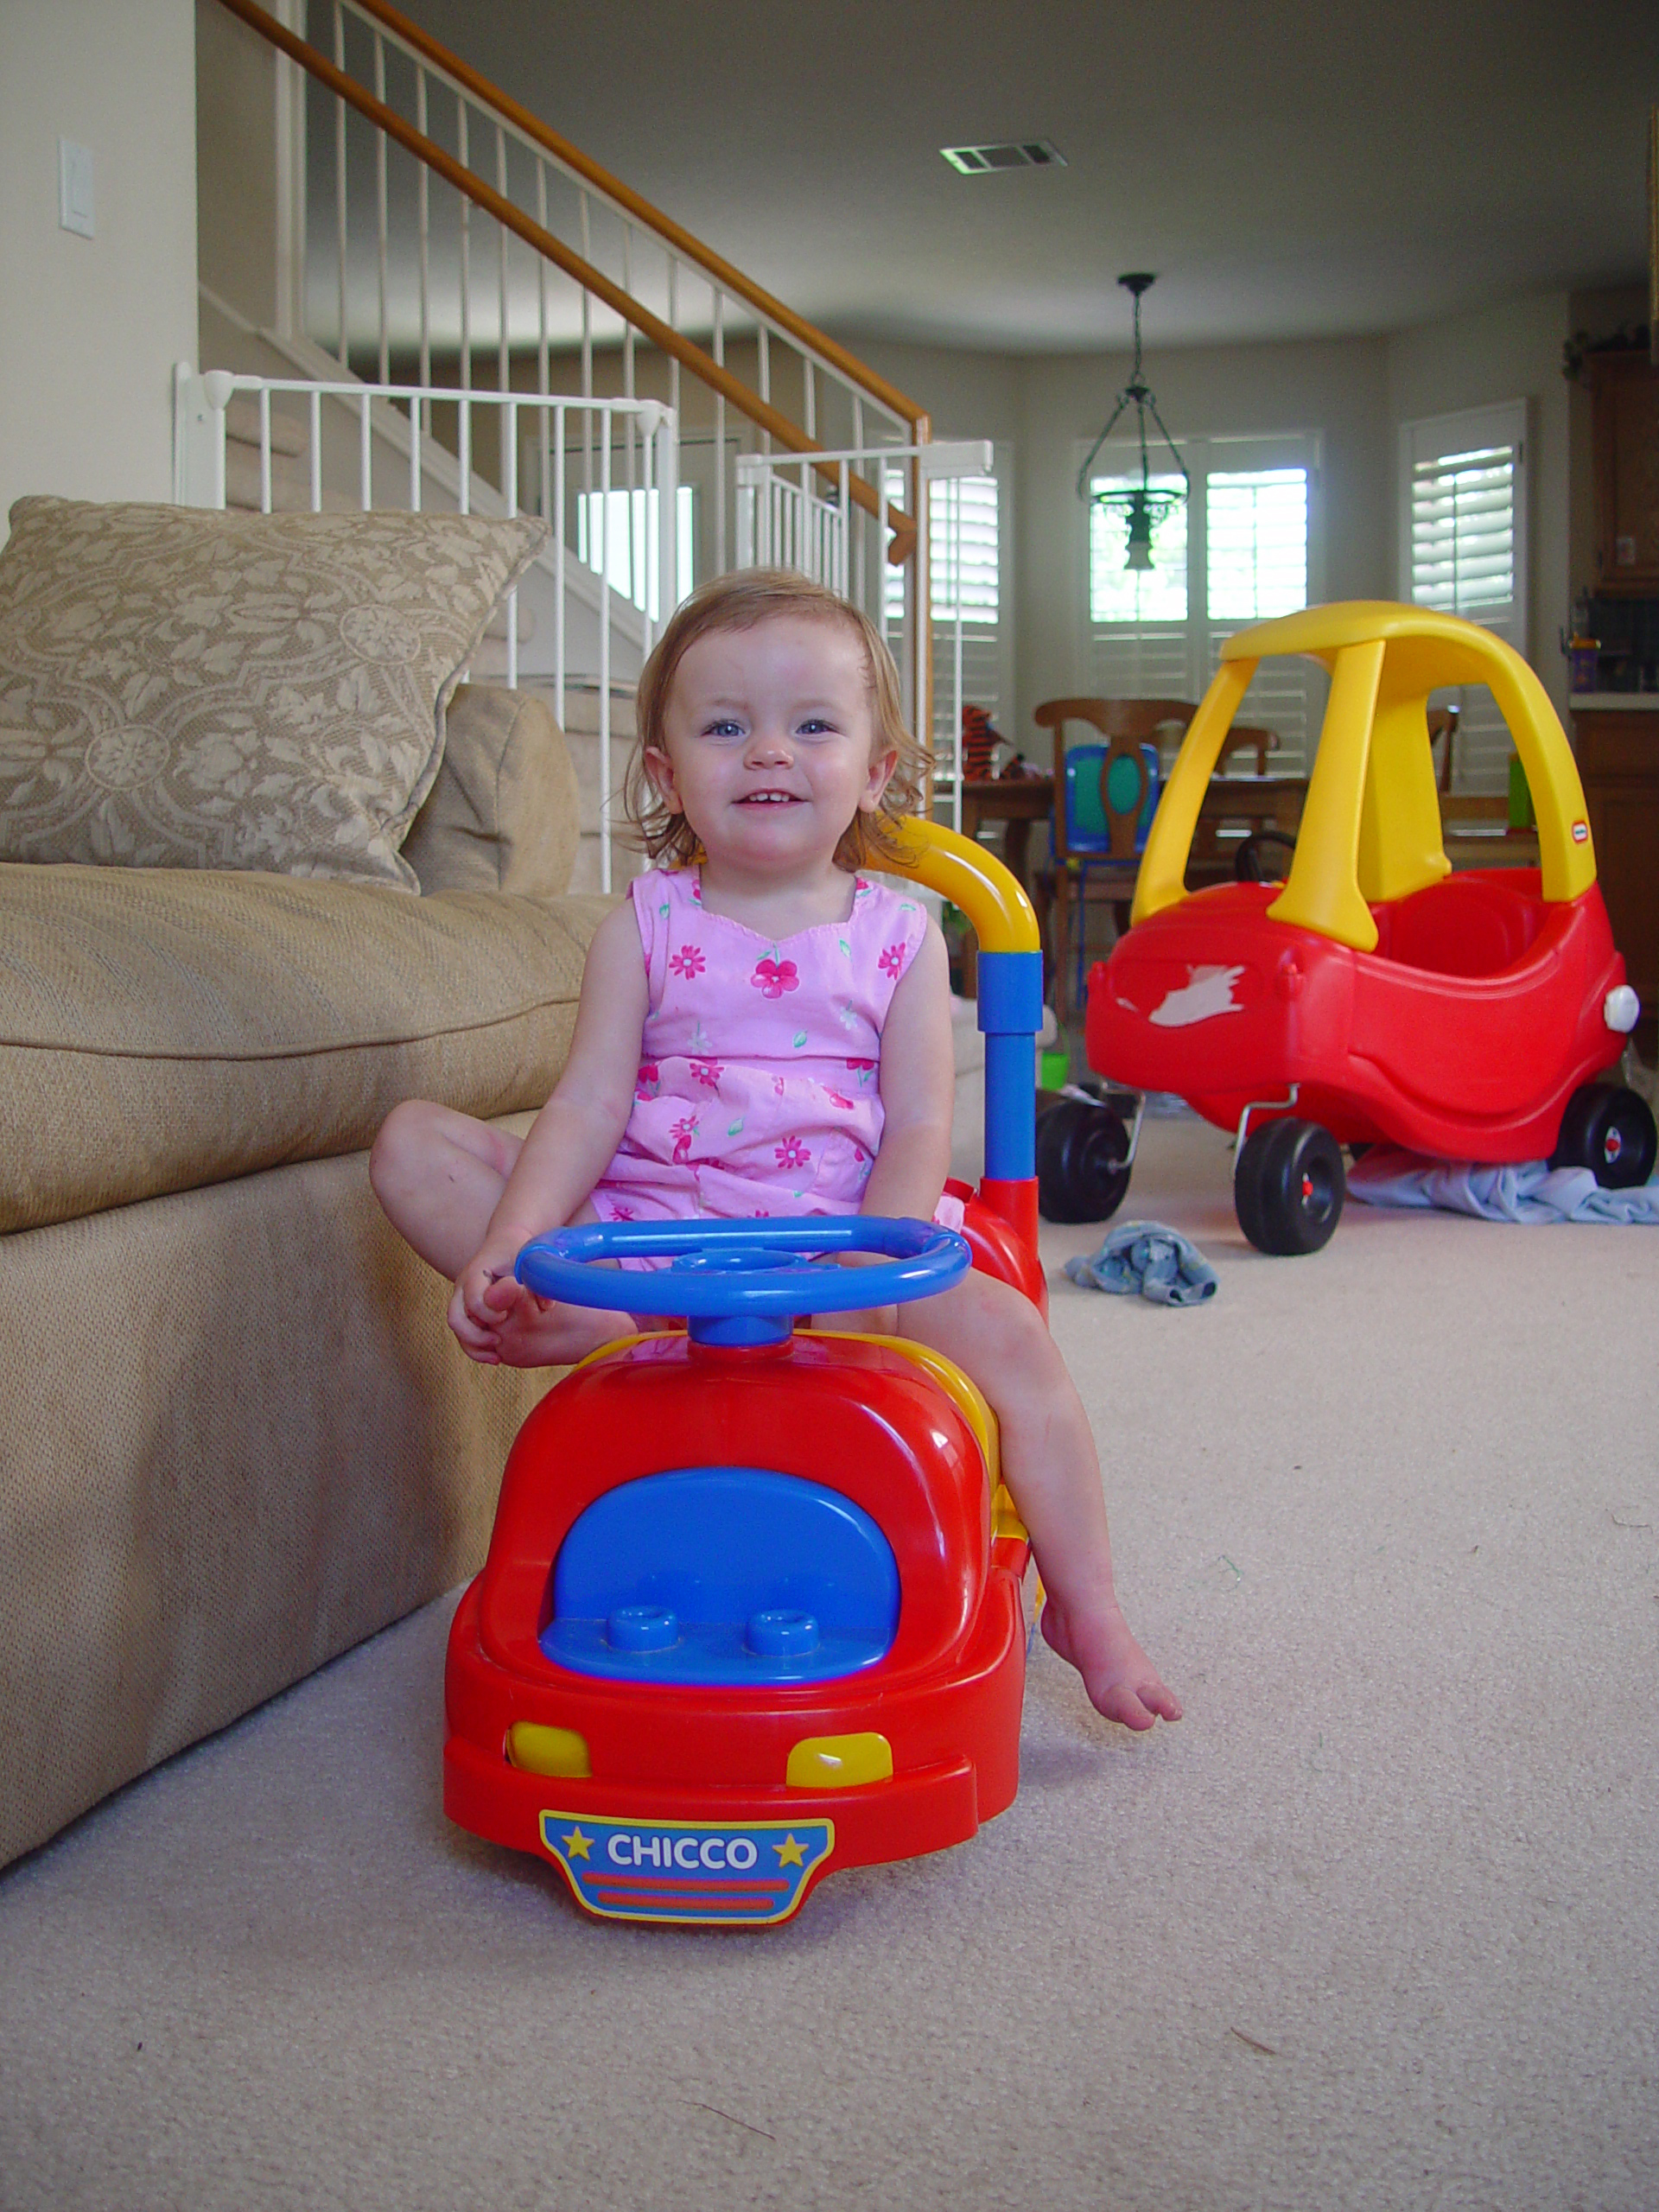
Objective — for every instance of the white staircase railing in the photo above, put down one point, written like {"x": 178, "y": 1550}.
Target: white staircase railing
{"x": 491, "y": 251}
{"x": 438, "y": 230}
{"x": 789, "y": 517}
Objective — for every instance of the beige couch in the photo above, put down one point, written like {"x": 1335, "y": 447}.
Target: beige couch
{"x": 237, "y": 1436}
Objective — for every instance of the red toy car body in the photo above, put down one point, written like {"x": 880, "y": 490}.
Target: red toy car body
{"x": 1373, "y": 994}
{"x": 681, "y": 1765}
{"x": 1462, "y": 1035}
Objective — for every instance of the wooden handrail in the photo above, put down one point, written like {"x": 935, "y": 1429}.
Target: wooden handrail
{"x": 682, "y": 241}
{"x": 662, "y": 335}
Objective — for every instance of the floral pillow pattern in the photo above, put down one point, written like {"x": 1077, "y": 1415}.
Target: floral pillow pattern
{"x": 185, "y": 688}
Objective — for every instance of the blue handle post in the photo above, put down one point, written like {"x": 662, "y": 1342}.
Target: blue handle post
{"x": 1010, "y": 1015}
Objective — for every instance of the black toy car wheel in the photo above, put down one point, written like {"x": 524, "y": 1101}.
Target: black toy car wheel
{"x": 1609, "y": 1131}
{"x": 1081, "y": 1162}
{"x": 1289, "y": 1187}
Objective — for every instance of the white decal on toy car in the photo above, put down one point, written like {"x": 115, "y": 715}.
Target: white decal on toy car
{"x": 1207, "y": 992}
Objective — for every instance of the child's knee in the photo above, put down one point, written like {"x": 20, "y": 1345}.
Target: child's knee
{"x": 403, "y": 1140}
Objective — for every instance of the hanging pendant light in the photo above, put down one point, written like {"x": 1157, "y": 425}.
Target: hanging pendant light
{"x": 1143, "y": 505}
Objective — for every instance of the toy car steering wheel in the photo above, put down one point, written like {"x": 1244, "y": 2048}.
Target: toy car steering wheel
{"x": 743, "y": 1282}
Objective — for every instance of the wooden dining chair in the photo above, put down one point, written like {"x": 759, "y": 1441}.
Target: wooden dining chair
{"x": 1104, "y": 799}
{"x": 1443, "y": 723}
{"x": 1239, "y": 807}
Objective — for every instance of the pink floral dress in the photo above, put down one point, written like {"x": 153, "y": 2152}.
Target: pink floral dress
{"x": 757, "y": 1092}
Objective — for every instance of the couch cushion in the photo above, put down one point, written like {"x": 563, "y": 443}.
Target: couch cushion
{"x": 192, "y": 689}
{"x": 503, "y": 813}
{"x": 165, "y": 1028}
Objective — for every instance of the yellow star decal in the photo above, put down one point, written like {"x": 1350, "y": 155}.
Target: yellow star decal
{"x": 790, "y": 1853}
{"x": 575, "y": 1843}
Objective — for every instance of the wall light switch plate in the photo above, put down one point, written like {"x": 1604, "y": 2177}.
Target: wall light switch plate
{"x": 75, "y": 189}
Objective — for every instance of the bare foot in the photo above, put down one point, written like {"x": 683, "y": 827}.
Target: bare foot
{"x": 1121, "y": 1681}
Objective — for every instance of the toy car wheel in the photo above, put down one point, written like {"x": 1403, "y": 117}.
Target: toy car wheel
{"x": 1609, "y": 1131}
{"x": 1081, "y": 1162}
{"x": 1289, "y": 1187}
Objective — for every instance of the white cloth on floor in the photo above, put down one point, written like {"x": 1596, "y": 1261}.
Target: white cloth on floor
{"x": 1531, "y": 1191}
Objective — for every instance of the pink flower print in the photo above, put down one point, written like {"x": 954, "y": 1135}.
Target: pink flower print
{"x": 774, "y": 977}
{"x": 792, "y": 1154}
{"x": 622, "y": 1213}
{"x": 707, "y": 1072}
{"x": 682, "y": 1131}
{"x": 835, "y": 1099}
{"x": 863, "y": 1067}
{"x": 688, "y": 961}
{"x": 777, "y": 1086}
{"x": 648, "y": 1081}
{"x": 891, "y": 960}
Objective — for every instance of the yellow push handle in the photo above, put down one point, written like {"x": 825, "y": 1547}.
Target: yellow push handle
{"x": 990, "y": 895}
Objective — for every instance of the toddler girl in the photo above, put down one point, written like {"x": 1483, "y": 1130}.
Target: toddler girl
{"x": 762, "y": 1029}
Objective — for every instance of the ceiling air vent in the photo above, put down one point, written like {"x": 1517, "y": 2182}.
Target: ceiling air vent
{"x": 1018, "y": 153}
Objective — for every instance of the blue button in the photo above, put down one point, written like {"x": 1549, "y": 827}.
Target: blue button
{"x": 642, "y": 1628}
{"x": 780, "y": 1635}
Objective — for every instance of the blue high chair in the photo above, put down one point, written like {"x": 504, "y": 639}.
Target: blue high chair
{"x": 1105, "y": 796}
{"x": 1104, "y": 805}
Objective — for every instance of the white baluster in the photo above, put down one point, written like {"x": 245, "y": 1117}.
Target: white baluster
{"x": 423, "y": 225}
{"x": 380, "y": 203}
{"x": 466, "y": 255}
{"x": 340, "y": 180}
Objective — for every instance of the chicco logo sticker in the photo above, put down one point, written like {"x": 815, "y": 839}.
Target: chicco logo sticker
{"x": 688, "y": 1870}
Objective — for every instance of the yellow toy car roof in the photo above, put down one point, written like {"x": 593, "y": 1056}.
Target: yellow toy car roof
{"x": 1370, "y": 828}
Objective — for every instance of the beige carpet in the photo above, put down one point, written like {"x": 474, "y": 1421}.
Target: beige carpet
{"x": 1376, "y": 1927}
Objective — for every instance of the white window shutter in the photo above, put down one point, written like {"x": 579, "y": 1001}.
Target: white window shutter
{"x": 1239, "y": 549}
{"x": 1462, "y": 550}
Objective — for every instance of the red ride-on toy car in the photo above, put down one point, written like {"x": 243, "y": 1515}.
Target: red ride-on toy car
{"x": 1374, "y": 995}
{"x": 750, "y": 1611}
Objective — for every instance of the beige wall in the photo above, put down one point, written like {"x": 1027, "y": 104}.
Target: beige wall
{"x": 237, "y": 180}
{"x": 91, "y": 329}
{"x": 1355, "y": 393}
{"x": 1505, "y": 353}
{"x": 1045, "y": 405}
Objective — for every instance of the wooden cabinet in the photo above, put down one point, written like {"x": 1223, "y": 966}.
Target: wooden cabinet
{"x": 1625, "y": 404}
{"x": 1619, "y": 761}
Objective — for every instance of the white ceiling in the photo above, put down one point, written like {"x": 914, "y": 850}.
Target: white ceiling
{"x": 1290, "y": 171}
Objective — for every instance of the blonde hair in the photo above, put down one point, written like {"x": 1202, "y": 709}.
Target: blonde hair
{"x": 741, "y": 601}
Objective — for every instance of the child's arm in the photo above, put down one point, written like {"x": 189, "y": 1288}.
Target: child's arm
{"x": 574, "y": 1138}
{"x": 918, "y": 1080}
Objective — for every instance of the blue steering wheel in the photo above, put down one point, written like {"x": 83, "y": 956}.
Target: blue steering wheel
{"x": 743, "y": 1282}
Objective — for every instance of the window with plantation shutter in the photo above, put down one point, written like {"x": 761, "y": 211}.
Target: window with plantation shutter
{"x": 1462, "y": 550}
{"x": 965, "y": 571}
{"x": 1238, "y": 550}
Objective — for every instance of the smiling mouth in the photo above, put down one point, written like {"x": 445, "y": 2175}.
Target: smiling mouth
{"x": 769, "y": 799}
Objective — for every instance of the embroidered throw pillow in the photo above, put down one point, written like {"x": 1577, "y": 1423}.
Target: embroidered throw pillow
{"x": 180, "y": 688}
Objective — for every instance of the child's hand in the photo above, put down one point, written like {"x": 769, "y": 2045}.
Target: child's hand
{"x": 1121, "y": 1681}
{"x": 486, "y": 1303}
